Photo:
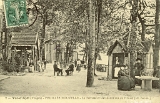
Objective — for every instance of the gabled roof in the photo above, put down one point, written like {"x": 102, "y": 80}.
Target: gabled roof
{"x": 122, "y": 44}
{"x": 141, "y": 46}
{"x": 23, "y": 39}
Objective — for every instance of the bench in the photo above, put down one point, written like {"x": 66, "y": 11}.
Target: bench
{"x": 146, "y": 82}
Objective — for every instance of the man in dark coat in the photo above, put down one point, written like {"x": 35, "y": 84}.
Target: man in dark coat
{"x": 56, "y": 68}
{"x": 71, "y": 68}
{"x": 138, "y": 68}
{"x": 75, "y": 63}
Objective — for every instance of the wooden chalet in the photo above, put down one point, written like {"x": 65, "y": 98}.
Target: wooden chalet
{"x": 25, "y": 46}
{"x": 119, "y": 56}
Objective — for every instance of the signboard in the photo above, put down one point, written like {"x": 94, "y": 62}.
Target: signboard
{"x": 15, "y": 13}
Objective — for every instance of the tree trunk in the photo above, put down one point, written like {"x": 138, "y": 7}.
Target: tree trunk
{"x": 157, "y": 37}
{"x": 98, "y": 13}
{"x": 143, "y": 31}
{"x": 157, "y": 31}
{"x": 142, "y": 21}
{"x": 5, "y": 45}
{"x": 67, "y": 49}
{"x": 42, "y": 51}
{"x": 91, "y": 54}
{"x": 133, "y": 45}
{"x": 133, "y": 36}
{"x": 1, "y": 33}
{"x": 86, "y": 53}
{"x": 95, "y": 58}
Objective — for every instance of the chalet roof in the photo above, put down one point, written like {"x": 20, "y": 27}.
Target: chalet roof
{"x": 122, "y": 44}
{"x": 141, "y": 46}
{"x": 23, "y": 39}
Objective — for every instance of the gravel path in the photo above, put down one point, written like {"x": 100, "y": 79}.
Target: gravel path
{"x": 45, "y": 84}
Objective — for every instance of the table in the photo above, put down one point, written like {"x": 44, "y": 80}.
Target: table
{"x": 146, "y": 82}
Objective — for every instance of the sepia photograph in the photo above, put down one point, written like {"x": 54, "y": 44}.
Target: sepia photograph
{"x": 56, "y": 51}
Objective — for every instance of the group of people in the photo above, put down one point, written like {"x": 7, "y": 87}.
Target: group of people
{"x": 57, "y": 68}
{"x": 76, "y": 64}
{"x": 128, "y": 81}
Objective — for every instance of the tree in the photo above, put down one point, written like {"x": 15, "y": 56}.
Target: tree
{"x": 133, "y": 34}
{"x": 157, "y": 33}
{"x": 97, "y": 20}
{"x": 157, "y": 36}
{"x": 46, "y": 11}
{"x": 91, "y": 54}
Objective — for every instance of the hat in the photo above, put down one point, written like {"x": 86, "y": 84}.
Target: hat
{"x": 138, "y": 59}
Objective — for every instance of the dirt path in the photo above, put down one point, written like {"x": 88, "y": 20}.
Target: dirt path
{"x": 45, "y": 84}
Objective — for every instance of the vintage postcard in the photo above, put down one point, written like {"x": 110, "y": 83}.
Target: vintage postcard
{"x": 75, "y": 51}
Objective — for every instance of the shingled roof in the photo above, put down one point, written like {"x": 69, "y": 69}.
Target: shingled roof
{"x": 122, "y": 44}
{"x": 142, "y": 47}
{"x": 23, "y": 39}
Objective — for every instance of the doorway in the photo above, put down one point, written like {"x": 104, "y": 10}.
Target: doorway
{"x": 118, "y": 61}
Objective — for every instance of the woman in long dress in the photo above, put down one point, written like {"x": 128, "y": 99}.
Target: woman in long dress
{"x": 124, "y": 80}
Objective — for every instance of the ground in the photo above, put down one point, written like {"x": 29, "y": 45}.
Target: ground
{"x": 46, "y": 84}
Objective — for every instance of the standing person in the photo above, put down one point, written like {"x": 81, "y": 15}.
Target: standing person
{"x": 75, "y": 63}
{"x": 55, "y": 66}
{"x": 78, "y": 66}
{"x": 38, "y": 65}
{"x": 138, "y": 68}
{"x": 31, "y": 64}
{"x": 45, "y": 62}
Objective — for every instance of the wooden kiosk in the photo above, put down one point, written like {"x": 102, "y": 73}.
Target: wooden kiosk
{"x": 118, "y": 57}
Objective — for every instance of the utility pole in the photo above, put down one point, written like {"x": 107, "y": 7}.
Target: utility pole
{"x": 91, "y": 54}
